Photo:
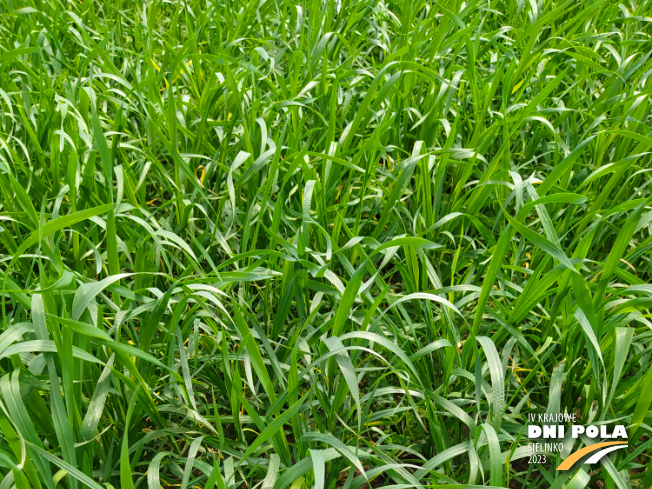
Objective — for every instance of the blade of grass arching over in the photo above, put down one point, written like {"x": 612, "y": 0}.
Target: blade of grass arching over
{"x": 58, "y": 224}
{"x": 346, "y": 368}
{"x": 496, "y": 465}
{"x": 60, "y": 419}
{"x": 75, "y": 473}
{"x": 497, "y": 379}
{"x": 623, "y": 342}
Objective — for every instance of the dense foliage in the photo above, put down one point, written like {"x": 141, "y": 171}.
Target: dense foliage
{"x": 322, "y": 244}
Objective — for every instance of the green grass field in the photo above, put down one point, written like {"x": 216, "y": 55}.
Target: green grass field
{"x": 322, "y": 244}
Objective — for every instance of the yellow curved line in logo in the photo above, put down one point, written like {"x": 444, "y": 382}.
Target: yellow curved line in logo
{"x": 574, "y": 457}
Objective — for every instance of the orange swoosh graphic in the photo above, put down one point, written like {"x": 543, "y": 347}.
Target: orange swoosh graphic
{"x": 570, "y": 461}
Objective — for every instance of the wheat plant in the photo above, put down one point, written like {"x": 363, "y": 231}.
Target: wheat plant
{"x": 319, "y": 244}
